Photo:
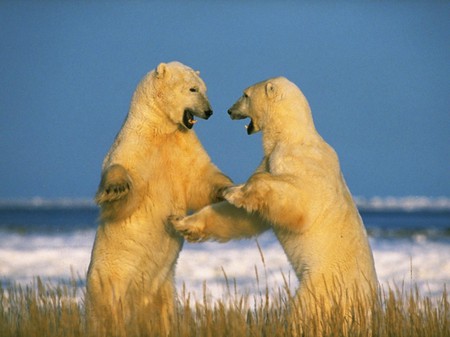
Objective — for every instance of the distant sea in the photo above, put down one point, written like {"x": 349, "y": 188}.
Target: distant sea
{"x": 410, "y": 239}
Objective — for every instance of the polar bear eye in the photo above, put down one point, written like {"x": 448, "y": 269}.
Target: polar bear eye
{"x": 193, "y": 89}
{"x": 245, "y": 95}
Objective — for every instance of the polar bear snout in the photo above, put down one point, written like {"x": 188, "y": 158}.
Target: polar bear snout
{"x": 188, "y": 116}
{"x": 236, "y": 114}
{"x": 208, "y": 113}
{"x": 204, "y": 114}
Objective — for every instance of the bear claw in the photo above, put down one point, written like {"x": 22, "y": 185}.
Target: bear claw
{"x": 190, "y": 233}
{"x": 234, "y": 195}
{"x": 115, "y": 185}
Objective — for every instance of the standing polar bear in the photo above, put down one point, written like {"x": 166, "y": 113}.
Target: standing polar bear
{"x": 155, "y": 167}
{"x": 298, "y": 191}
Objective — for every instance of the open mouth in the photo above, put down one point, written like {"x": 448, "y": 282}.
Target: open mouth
{"x": 235, "y": 114}
{"x": 250, "y": 127}
{"x": 188, "y": 118}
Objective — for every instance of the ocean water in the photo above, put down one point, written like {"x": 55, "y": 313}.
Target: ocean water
{"x": 410, "y": 239}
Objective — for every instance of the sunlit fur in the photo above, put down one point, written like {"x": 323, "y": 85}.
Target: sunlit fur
{"x": 299, "y": 192}
{"x": 156, "y": 167}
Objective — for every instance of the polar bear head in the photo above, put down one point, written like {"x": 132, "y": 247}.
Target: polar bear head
{"x": 266, "y": 102}
{"x": 177, "y": 93}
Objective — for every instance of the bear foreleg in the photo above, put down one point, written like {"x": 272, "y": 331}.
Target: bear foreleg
{"x": 274, "y": 197}
{"x": 115, "y": 194}
{"x": 220, "y": 222}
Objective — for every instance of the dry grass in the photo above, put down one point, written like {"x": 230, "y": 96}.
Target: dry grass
{"x": 56, "y": 310}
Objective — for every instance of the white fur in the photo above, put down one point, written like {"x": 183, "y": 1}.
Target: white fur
{"x": 299, "y": 192}
{"x": 156, "y": 167}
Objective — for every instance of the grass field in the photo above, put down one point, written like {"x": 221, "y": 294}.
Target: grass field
{"x": 44, "y": 309}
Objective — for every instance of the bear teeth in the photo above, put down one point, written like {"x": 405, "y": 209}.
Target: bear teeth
{"x": 250, "y": 127}
{"x": 188, "y": 119}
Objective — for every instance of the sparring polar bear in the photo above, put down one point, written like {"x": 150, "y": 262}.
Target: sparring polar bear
{"x": 298, "y": 191}
{"x": 155, "y": 167}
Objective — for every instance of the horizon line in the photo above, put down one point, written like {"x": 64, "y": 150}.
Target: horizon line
{"x": 375, "y": 203}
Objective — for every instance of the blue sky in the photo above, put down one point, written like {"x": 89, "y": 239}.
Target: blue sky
{"x": 376, "y": 75}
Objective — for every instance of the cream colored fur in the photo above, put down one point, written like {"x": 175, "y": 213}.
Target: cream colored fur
{"x": 299, "y": 192}
{"x": 155, "y": 167}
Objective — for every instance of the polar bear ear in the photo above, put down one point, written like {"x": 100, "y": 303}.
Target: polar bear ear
{"x": 197, "y": 72}
{"x": 271, "y": 90}
{"x": 161, "y": 70}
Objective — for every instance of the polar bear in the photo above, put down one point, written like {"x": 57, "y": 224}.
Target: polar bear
{"x": 298, "y": 191}
{"x": 155, "y": 167}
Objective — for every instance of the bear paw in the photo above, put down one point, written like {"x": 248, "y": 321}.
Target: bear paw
{"x": 244, "y": 196}
{"x": 115, "y": 185}
{"x": 234, "y": 195}
{"x": 239, "y": 197}
{"x": 191, "y": 233}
